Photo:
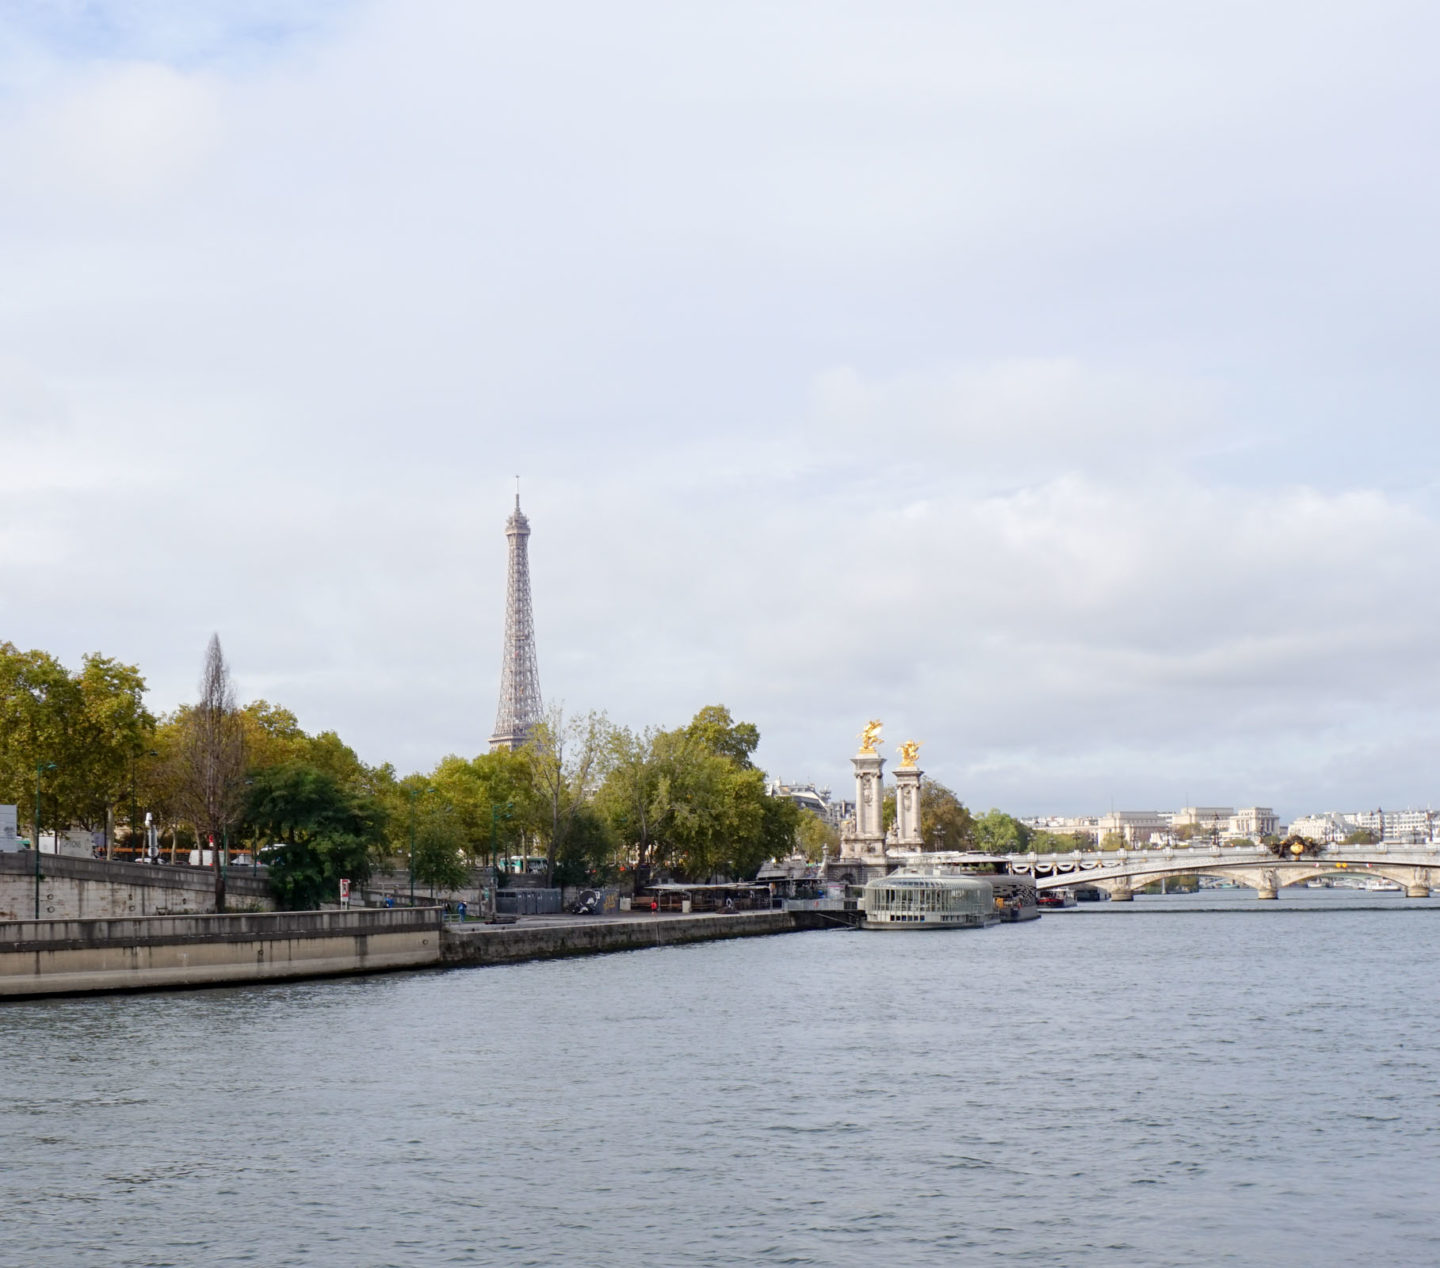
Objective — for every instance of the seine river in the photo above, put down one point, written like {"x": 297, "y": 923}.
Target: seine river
{"x": 1196, "y": 1080}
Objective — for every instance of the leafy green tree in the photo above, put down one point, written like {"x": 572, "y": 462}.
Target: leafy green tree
{"x": 718, "y": 732}
{"x": 629, "y": 796}
{"x": 88, "y": 729}
{"x": 586, "y": 855}
{"x": 441, "y": 850}
{"x": 1112, "y": 841}
{"x": 492, "y": 796}
{"x": 328, "y": 831}
{"x": 1058, "y": 842}
{"x": 945, "y": 823}
{"x": 813, "y": 834}
{"x": 999, "y": 833}
{"x": 563, "y": 756}
{"x": 1361, "y": 836}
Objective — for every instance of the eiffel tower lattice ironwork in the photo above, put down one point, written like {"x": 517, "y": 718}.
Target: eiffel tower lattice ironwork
{"x": 520, "y": 707}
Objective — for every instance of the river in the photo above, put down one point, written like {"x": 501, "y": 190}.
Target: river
{"x": 1197, "y": 1079}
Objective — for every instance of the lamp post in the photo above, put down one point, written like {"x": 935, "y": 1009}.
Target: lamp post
{"x": 495, "y": 813}
{"x": 414, "y": 792}
{"x": 40, "y": 768}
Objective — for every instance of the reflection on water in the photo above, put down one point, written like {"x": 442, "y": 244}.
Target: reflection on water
{"x": 1093, "y": 1088}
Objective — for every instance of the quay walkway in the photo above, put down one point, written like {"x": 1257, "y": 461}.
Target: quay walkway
{"x": 72, "y": 957}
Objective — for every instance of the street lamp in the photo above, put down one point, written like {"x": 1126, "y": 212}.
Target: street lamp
{"x": 40, "y": 769}
{"x": 414, "y": 792}
{"x": 134, "y": 830}
{"x": 495, "y": 813}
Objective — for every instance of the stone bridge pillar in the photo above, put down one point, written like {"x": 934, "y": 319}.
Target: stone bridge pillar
{"x": 907, "y": 808}
{"x": 1122, "y": 893}
{"x": 1267, "y": 885}
{"x": 1419, "y": 885}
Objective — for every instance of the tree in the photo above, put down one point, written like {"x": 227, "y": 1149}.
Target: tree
{"x": 1361, "y": 836}
{"x": 1058, "y": 842}
{"x": 214, "y": 761}
{"x": 440, "y": 850}
{"x": 813, "y": 834}
{"x": 88, "y": 728}
{"x": 328, "y": 831}
{"x": 586, "y": 855}
{"x": 627, "y": 796}
{"x": 562, "y": 757}
{"x": 945, "y": 823}
{"x": 714, "y": 728}
{"x": 691, "y": 800}
{"x": 999, "y": 833}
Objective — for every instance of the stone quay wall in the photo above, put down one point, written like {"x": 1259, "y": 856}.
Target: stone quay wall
{"x": 94, "y": 889}
{"x": 506, "y": 944}
{"x": 65, "y": 957}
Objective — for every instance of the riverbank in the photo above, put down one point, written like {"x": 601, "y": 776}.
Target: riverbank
{"x": 75, "y": 957}
{"x": 551, "y": 937}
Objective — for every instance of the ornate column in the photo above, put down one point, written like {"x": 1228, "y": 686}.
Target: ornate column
{"x": 907, "y": 799}
{"x": 869, "y": 794}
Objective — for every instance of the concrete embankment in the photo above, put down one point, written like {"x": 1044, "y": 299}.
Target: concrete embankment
{"x": 546, "y": 938}
{"x": 92, "y": 889}
{"x": 70, "y": 957}
{"x": 63, "y": 957}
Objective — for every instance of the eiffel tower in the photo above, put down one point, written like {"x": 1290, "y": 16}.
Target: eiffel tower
{"x": 520, "y": 707}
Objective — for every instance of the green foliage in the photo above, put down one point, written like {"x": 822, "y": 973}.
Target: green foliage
{"x": 440, "y": 850}
{"x": 945, "y": 823}
{"x": 690, "y": 801}
{"x": 1361, "y": 836}
{"x": 1059, "y": 842}
{"x": 720, "y": 734}
{"x": 1112, "y": 841}
{"x": 999, "y": 833}
{"x": 562, "y": 756}
{"x": 813, "y": 834}
{"x": 329, "y": 831}
{"x": 586, "y": 853}
{"x": 92, "y": 725}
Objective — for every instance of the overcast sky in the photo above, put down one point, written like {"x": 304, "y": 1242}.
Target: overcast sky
{"x": 1054, "y": 382}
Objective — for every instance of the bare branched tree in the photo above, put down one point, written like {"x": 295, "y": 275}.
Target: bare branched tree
{"x": 214, "y": 762}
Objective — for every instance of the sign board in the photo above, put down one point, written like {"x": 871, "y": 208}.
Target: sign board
{"x": 9, "y": 833}
{"x": 344, "y": 892}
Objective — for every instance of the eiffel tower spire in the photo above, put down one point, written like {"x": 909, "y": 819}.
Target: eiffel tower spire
{"x": 520, "y": 707}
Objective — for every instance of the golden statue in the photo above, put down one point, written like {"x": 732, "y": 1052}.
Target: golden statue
{"x": 869, "y": 736}
{"x": 909, "y": 751}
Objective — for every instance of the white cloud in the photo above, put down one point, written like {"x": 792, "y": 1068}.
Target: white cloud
{"x": 1048, "y": 383}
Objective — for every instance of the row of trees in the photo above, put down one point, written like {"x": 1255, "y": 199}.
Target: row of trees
{"x": 596, "y": 801}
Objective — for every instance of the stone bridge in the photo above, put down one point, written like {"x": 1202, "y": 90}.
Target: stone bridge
{"x": 1121, "y": 872}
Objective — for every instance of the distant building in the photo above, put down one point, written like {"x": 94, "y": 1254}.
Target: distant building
{"x": 1204, "y": 820}
{"x": 1087, "y": 826}
{"x": 1404, "y": 827}
{"x": 1254, "y": 822}
{"x": 816, "y": 800}
{"x": 1135, "y": 826}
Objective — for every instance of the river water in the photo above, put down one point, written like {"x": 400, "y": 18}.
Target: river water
{"x": 1186, "y": 1080}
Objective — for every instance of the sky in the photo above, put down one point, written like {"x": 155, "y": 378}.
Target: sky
{"x": 1053, "y": 382}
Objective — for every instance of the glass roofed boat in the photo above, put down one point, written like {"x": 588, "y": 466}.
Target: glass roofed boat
{"x": 914, "y": 899}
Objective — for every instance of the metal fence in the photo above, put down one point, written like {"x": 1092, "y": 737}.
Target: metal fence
{"x": 527, "y": 902}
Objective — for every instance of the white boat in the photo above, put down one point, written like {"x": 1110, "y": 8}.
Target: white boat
{"x": 914, "y": 899}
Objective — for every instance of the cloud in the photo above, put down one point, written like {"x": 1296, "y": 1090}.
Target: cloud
{"x": 1053, "y": 385}
{"x": 126, "y": 133}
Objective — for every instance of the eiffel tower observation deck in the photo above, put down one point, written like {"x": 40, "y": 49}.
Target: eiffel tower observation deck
{"x": 520, "y": 707}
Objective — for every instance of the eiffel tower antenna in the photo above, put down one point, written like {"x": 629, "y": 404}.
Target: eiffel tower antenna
{"x": 520, "y": 708}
